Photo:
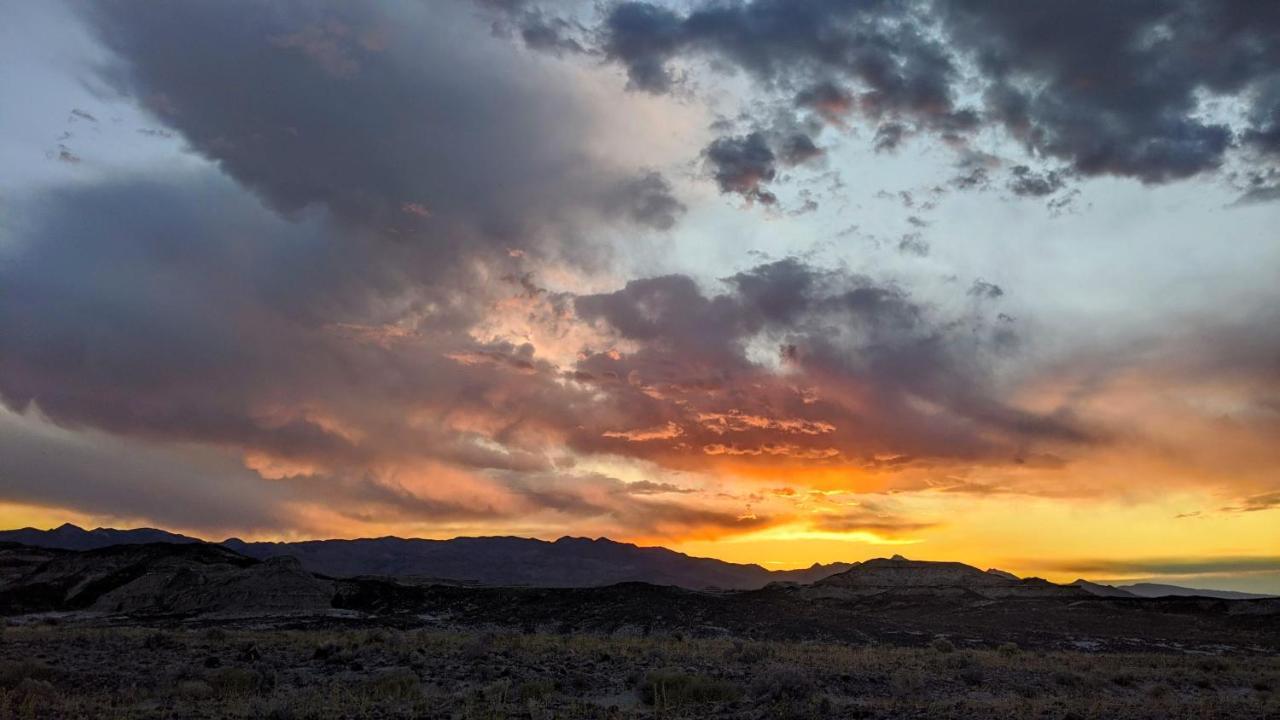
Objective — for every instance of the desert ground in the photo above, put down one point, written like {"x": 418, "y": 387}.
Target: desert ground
{"x": 64, "y": 669}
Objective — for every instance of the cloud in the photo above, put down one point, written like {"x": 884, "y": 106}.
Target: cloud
{"x": 1113, "y": 90}
{"x": 743, "y": 165}
{"x": 384, "y": 283}
{"x": 665, "y": 432}
{"x": 913, "y": 244}
{"x": 366, "y": 110}
{"x": 647, "y": 199}
{"x": 51, "y": 467}
{"x": 1171, "y": 566}
{"x": 648, "y": 487}
{"x": 852, "y": 350}
{"x": 1256, "y": 503}
{"x": 984, "y": 289}
{"x": 1026, "y": 182}
{"x": 881, "y": 525}
{"x": 1106, "y": 90}
{"x": 831, "y": 101}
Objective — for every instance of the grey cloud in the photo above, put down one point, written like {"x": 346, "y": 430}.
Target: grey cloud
{"x": 913, "y": 244}
{"x": 648, "y": 200}
{"x": 1179, "y": 566}
{"x": 889, "y": 136}
{"x": 1105, "y": 88}
{"x": 1025, "y": 181}
{"x": 743, "y": 165}
{"x": 1111, "y": 89}
{"x": 798, "y": 148}
{"x": 1259, "y": 194}
{"x": 101, "y": 475}
{"x": 831, "y": 101}
{"x": 364, "y": 109}
{"x": 984, "y": 289}
{"x": 974, "y": 179}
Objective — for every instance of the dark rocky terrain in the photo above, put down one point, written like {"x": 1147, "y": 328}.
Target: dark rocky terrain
{"x": 195, "y": 630}
{"x": 894, "y": 600}
{"x": 351, "y": 671}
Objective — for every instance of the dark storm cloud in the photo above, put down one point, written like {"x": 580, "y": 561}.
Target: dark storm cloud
{"x": 368, "y": 109}
{"x": 1112, "y": 88}
{"x": 1107, "y": 88}
{"x": 779, "y": 41}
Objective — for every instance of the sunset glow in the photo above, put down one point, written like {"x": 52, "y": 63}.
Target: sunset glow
{"x": 457, "y": 268}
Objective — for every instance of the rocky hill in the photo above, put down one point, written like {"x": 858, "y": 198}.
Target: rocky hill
{"x": 899, "y": 576}
{"x": 157, "y": 579}
{"x": 1102, "y": 590}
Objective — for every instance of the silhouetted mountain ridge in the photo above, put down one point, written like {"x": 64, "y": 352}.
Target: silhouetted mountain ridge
{"x": 72, "y": 537}
{"x": 498, "y": 560}
{"x": 899, "y": 576}
{"x": 585, "y": 562}
{"x": 1155, "y": 590}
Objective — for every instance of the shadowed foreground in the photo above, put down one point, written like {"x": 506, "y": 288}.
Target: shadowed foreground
{"x": 56, "y": 671}
{"x": 200, "y": 631}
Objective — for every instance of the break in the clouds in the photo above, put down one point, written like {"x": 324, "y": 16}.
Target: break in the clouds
{"x": 761, "y": 271}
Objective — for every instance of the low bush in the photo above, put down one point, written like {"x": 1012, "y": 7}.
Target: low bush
{"x": 666, "y": 689}
{"x": 783, "y": 682}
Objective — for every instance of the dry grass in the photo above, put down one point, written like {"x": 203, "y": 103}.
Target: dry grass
{"x": 71, "y": 672}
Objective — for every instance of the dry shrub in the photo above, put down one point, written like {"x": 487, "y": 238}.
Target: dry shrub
{"x": 667, "y": 689}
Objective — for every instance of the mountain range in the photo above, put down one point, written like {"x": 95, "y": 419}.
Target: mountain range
{"x": 884, "y": 600}
{"x": 581, "y": 562}
{"x": 492, "y": 561}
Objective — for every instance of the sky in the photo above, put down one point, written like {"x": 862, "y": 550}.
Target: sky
{"x": 772, "y": 281}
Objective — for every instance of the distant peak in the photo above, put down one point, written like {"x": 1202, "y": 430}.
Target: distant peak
{"x": 68, "y": 527}
{"x": 898, "y": 557}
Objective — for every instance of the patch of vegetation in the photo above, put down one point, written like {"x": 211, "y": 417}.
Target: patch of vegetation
{"x": 668, "y": 689}
{"x": 383, "y": 673}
